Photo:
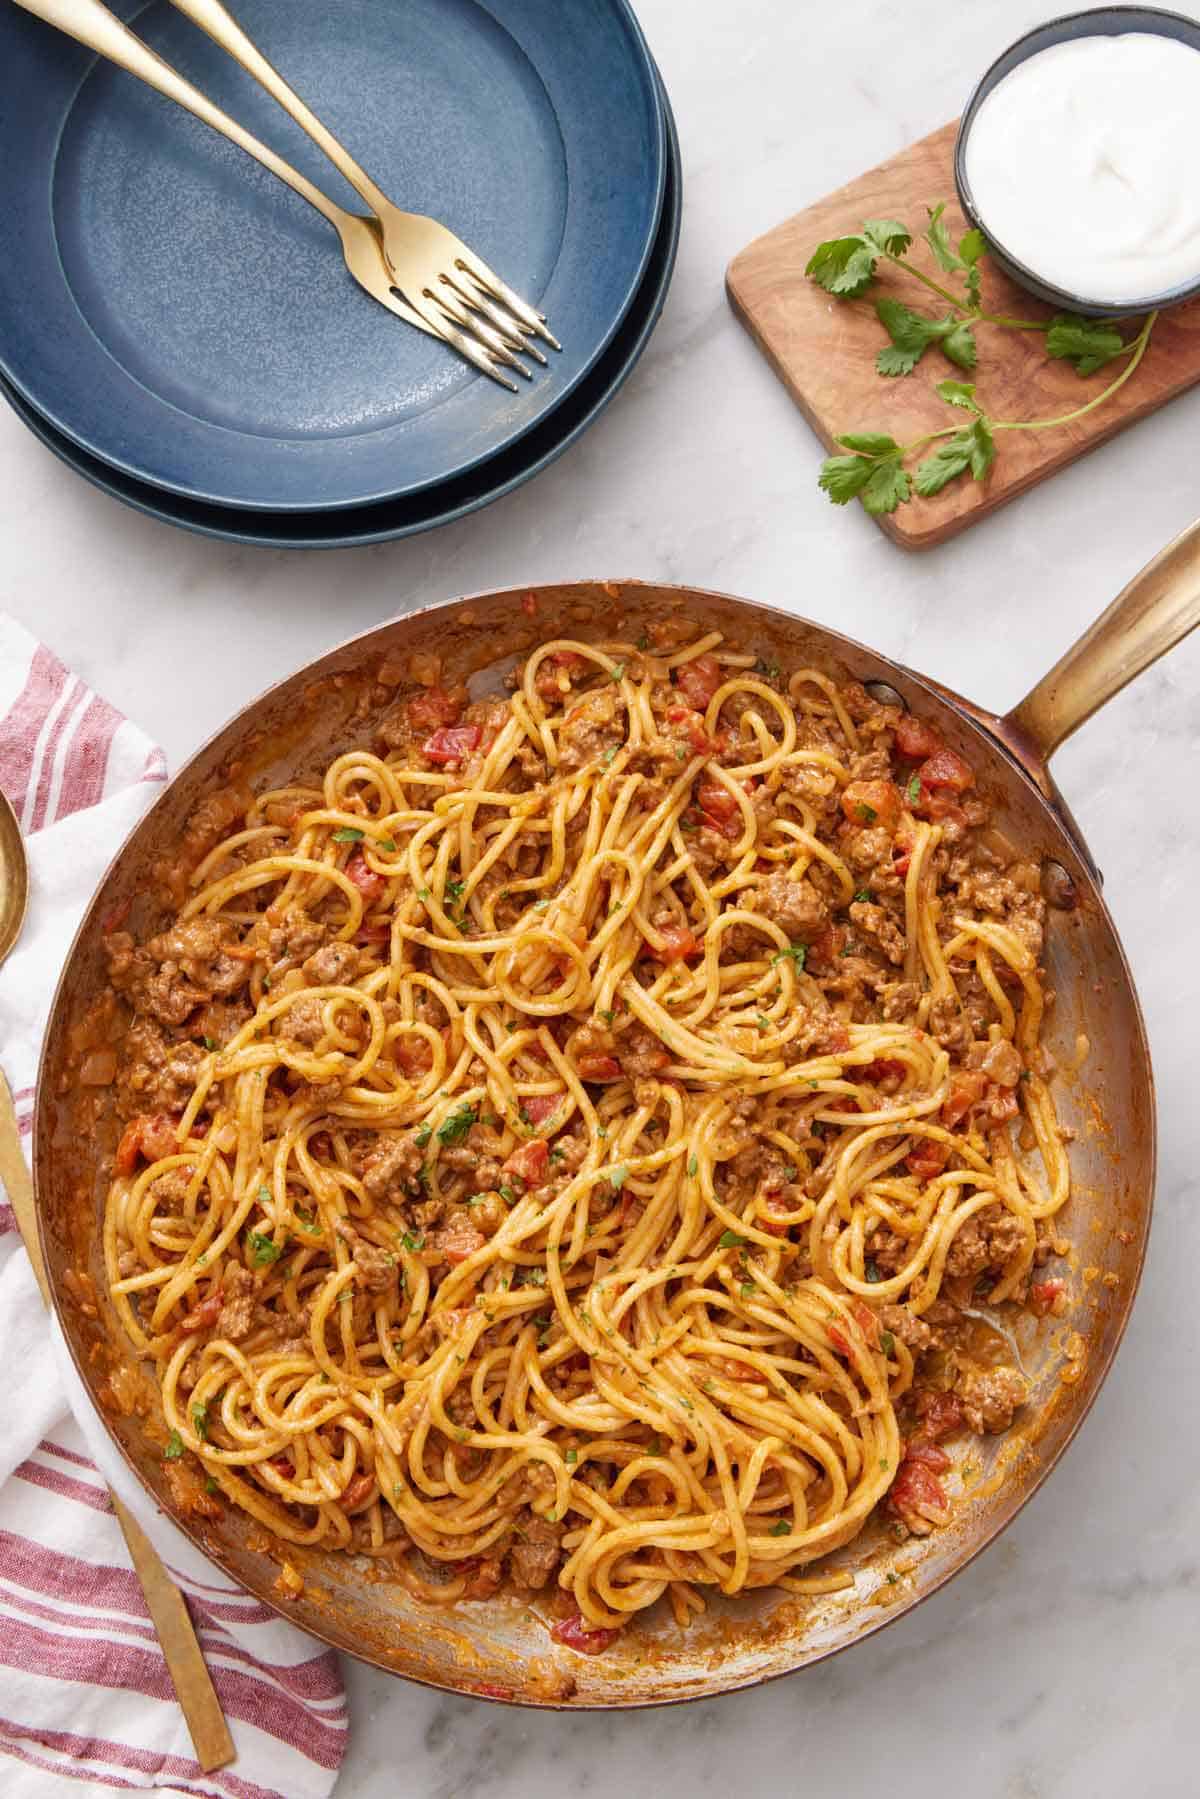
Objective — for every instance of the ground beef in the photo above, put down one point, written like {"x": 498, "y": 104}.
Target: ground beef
{"x": 170, "y": 996}
{"x": 236, "y": 1317}
{"x": 457, "y": 1238}
{"x": 590, "y": 728}
{"x": 641, "y": 1054}
{"x": 332, "y": 966}
{"x": 158, "y": 1071}
{"x": 303, "y": 1021}
{"x": 989, "y": 1239}
{"x": 945, "y": 1021}
{"x": 376, "y": 1268}
{"x": 899, "y": 1000}
{"x": 170, "y": 1191}
{"x": 393, "y": 1163}
{"x": 879, "y": 924}
{"x": 990, "y": 1396}
{"x": 534, "y": 1555}
{"x": 900, "y": 1321}
{"x": 795, "y": 906}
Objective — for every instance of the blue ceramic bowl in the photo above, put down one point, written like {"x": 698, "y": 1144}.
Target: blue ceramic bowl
{"x": 179, "y": 314}
{"x": 1100, "y": 21}
{"x": 438, "y": 506}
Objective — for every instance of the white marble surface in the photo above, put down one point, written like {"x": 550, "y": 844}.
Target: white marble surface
{"x": 1065, "y": 1663}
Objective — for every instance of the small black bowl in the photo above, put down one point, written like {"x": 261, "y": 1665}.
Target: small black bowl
{"x": 1099, "y": 21}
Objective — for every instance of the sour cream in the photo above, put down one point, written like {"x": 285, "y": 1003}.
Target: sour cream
{"x": 1084, "y": 164}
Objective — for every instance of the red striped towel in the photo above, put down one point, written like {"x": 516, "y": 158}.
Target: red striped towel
{"x": 84, "y": 1691}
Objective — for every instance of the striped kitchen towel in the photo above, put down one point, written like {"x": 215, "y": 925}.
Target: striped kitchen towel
{"x": 84, "y": 1691}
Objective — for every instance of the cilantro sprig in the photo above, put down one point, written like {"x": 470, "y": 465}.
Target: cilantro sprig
{"x": 877, "y": 470}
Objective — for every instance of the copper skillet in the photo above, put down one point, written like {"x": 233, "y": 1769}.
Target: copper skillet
{"x": 502, "y": 1647}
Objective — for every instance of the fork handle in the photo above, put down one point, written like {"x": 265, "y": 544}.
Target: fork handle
{"x": 91, "y": 23}
{"x": 224, "y": 30}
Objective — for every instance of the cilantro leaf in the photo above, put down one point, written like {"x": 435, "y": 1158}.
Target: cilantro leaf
{"x": 200, "y": 1422}
{"x": 413, "y": 1241}
{"x": 263, "y": 1250}
{"x": 730, "y": 1240}
{"x": 174, "y": 1448}
{"x": 454, "y": 1128}
{"x": 1085, "y": 343}
{"x": 796, "y": 952}
{"x": 887, "y": 235}
{"x": 693, "y": 1167}
{"x": 781, "y": 1528}
{"x": 958, "y": 393}
{"x": 844, "y": 266}
{"x": 970, "y": 449}
{"x": 869, "y": 443}
{"x": 888, "y": 486}
{"x": 938, "y": 239}
{"x": 972, "y": 248}
{"x": 347, "y": 835}
{"x": 618, "y": 1176}
{"x": 844, "y": 477}
{"x": 912, "y": 333}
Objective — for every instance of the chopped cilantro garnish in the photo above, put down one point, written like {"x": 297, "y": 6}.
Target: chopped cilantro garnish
{"x": 263, "y": 1250}
{"x": 797, "y": 952}
{"x": 200, "y": 1422}
{"x": 643, "y": 642}
{"x": 263, "y": 1196}
{"x": 606, "y": 1016}
{"x": 618, "y": 1176}
{"x": 532, "y": 1277}
{"x": 348, "y": 834}
{"x": 781, "y": 1528}
{"x": 913, "y": 790}
{"x": 864, "y": 895}
{"x": 507, "y": 1194}
{"x": 174, "y": 1448}
{"x": 571, "y": 1457}
{"x": 693, "y": 1167}
{"x": 610, "y": 752}
{"x": 873, "y": 1272}
{"x": 454, "y": 1128}
{"x": 867, "y": 813}
{"x": 422, "y": 1137}
{"x": 388, "y": 844}
{"x": 893, "y": 1580}
{"x": 413, "y": 1241}
{"x": 618, "y": 671}
{"x": 210, "y": 1485}
{"x": 764, "y": 1024}
{"x": 730, "y": 1240}
{"x": 747, "y": 1288}
{"x": 887, "y": 1342}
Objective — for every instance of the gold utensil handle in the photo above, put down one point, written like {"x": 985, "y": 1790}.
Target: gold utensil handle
{"x": 1148, "y": 617}
{"x": 184, "y": 1658}
{"x": 224, "y": 29}
{"x": 91, "y": 23}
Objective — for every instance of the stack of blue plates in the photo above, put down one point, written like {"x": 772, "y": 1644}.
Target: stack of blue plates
{"x": 180, "y": 328}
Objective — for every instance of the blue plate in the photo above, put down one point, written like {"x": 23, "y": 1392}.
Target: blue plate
{"x": 404, "y": 518}
{"x": 179, "y": 314}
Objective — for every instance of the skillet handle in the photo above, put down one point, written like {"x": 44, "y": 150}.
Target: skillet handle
{"x": 1148, "y": 617}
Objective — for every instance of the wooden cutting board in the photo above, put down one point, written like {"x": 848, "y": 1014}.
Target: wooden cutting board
{"x": 824, "y": 349}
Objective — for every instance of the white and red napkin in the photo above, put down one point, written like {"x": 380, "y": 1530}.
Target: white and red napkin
{"x": 84, "y": 1690}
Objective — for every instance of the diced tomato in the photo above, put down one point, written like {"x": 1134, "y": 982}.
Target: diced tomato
{"x": 941, "y": 1413}
{"x": 452, "y": 743}
{"x": 540, "y": 1106}
{"x": 717, "y": 802}
{"x": 529, "y": 605}
{"x": 915, "y": 739}
{"x": 151, "y": 1136}
{"x": 530, "y": 1162}
{"x": 414, "y": 1054}
{"x": 927, "y": 1158}
{"x": 457, "y": 1246}
{"x": 599, "y": 1068}
{"x": 884, "y": 1068}
{"x": 871, "y": 803}
{"x": 1043, "y": 1294}
{"x": 698, "y": 680}
{"x": 946, "y": 768}
{"x": 679, "y": 944}
{"x": 369, "y": 883}
{"x": 938, "y": 804}
{"x": 916, "y": 1487}
{"x": 839, "y": 1340}
{"x": 732, "y": 1369}
{"x": 202, "y": 1317}
{"x": 284, "y": 1466}
{"x": 966, "y": 1090}
{"x": 573, "y": 1633}
{"x": 693, "y": 728}
{"x": 358, "y": 1492}
{"x": 866, "y": 1321}
{"x": 434, "y": 707}
{"x": 378, "y": 931}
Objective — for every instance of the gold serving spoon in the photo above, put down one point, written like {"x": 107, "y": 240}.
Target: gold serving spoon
{"x": 185, "y": 1661}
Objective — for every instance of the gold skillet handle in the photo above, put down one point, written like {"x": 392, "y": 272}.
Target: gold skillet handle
{"x": 1149, "y": 617}
{"x": 184, "y": 1658}
{"x": 224, "y": 30}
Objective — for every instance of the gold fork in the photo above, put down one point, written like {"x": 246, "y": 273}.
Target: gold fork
{"x": 439, "y": 275}
{"x": 91, "y": 23}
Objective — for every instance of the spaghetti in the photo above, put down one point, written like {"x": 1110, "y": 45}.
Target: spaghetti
{"x": 565, "y": 1144}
